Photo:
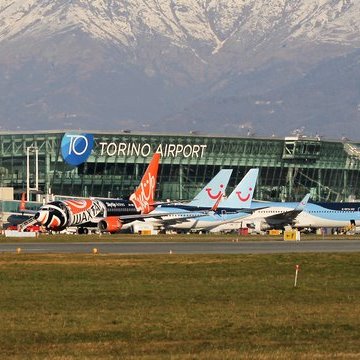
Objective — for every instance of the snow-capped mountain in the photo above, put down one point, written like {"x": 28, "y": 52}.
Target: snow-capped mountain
{"x": 155, "y": 64}
{"x": 185, "y": 23}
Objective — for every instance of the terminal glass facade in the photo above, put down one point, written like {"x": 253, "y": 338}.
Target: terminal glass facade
{"x": 289, "y": 168}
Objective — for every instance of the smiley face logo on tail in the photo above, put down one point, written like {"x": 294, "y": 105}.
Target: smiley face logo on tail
{"x": 244, "y": 198}
{"x": 214, "y": 197}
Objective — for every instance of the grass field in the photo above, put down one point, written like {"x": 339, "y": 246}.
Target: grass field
{"x": 179, "y": 307}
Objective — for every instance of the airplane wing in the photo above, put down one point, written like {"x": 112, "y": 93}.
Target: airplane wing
{"x": 177, "y": 218}
{"x": 167, "y": 217}
{"x": 180, "y": 216}
{"x": 289, "y": 216}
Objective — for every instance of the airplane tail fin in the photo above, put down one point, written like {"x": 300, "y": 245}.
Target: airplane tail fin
{"x": 22, "y": 206}
{"x": 242, "y": 195}
{"x": 143, "y": 196}
{"x": 302, "y": 204}
{"x": 213, "y": 191}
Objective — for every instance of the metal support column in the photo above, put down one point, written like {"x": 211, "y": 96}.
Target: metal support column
{"x": 319, "y": 184}
{"x": 181, "y": 174}
{"x": 345, "y": 185}
{"x": 34, "y": 150}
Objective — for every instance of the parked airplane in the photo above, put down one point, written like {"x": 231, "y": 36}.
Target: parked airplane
{"x": 228, "y": 210}
{"x": 108, "y": 214}
{"x": 274, "y": 215}
{"x": 112, "y": 215}
{"x": 207, "y": 199}
{"x": 329, "y": 215}
{"x": 278, "y": 215}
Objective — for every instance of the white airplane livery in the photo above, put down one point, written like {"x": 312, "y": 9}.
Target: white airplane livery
{"x": 329, "y": 215}
{"x": 228, "y": 210}
{"x": 208, "y": 198}
{"x": 277, "y": 215}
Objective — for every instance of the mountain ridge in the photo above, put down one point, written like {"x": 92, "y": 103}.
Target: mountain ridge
{"x": 152, "y": 64}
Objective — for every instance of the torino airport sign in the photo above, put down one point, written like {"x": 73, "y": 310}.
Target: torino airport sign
{"x": 76, "y": 148}
{"x": 138, "y": 149}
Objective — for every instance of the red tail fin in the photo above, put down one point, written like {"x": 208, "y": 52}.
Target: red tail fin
{"x": 22, "y": 206}
{"x": 143, "y": 196}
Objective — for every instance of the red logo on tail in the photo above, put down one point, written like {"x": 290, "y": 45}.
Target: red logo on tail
{"x": 143, "y": 197}
{"x": 214, "y": 197}
{"x": 246, "y": 198}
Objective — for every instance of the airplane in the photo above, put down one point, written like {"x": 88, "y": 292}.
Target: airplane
{"x": 207, "y": 200}
{"x": 329, "y": 215}
{"x": 106, "y": 213}
{"x": 112, "y": 215}
{"x": 228, "y": 210}
{"x": 279, "y": 215}
{"x": 274, "y": 215}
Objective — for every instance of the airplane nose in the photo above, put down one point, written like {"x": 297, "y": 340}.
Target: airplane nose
{"x": 41, "y": 216}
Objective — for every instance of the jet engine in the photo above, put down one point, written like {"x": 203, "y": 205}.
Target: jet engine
{"x": 111, "y": 224}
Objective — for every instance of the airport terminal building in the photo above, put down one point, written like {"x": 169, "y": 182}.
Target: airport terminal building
{"x": 112, "y": 164}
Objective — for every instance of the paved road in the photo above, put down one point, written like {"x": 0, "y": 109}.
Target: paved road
{"x": 245, "y": 247}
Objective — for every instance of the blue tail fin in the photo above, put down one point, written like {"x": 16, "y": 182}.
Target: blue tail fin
{"x": 302, "y": 204}
{"x": 242, "y": 195}
{"x": 209, "y": 195}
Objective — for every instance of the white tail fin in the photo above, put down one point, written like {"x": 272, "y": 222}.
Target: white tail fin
{"x": 242, "y": 195}
{"x": 302, "y": 204}
{"x": 214, "y": 190}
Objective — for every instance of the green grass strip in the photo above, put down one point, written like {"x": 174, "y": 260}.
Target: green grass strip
{"x": 179, "y": 307}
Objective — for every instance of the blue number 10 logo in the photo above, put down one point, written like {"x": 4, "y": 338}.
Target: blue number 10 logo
{"x": 76, "y": 148}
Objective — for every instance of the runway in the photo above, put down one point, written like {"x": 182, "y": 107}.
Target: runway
{"x": 241, "y": 247}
